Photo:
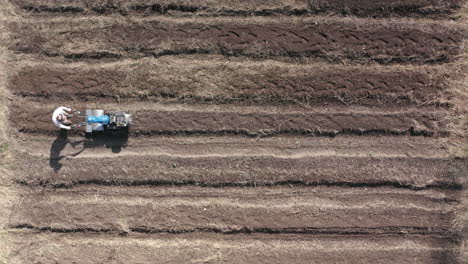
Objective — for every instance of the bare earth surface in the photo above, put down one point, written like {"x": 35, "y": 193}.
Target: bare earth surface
{"x": 208, "y": 248}
{"x": 236, "y": 210}
{"x": 214, "y": 79}
{"x": 264, "y": 132}
{"x": 426, "y": 8}
{"x": 227, "y": 161}
{"x": 153, "y": 118}
{"x": 329, "y": 39}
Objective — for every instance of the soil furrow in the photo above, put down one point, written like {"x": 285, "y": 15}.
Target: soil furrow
{"x": 217, "y": 80}
{"x": 156, "y": 119}
{"x": 324, "y": 197}
{"x": 281, "y": 210}
{"x": 171, "y": 7}
{"x": 65, "y": 162}
{"x": 385, "y": 8}
{"x": 426, "y": 8}
{"x": 450, "y": 186}
{"x": 278, "y": 248}
{"x": 282, "y": 147}
{"x": 329, "y": 39}
{"x": 228, "y": 231}
{"x": 65, "y": 171}
{"x": 264, "y": 131}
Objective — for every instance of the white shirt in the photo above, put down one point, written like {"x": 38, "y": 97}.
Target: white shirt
{"x": 57, "y": 112}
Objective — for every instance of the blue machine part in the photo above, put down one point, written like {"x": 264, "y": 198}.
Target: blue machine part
{"x": 104, "y": 119}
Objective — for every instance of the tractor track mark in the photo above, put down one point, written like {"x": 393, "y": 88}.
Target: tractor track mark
{"x": 328, "y": 40}
{"x": 329, "y": 98}
{"x": 427, "y": 8}
{"x": 254, "y": 83}
{"x": 169, "y": 8}
{"x": 381, "y": 8}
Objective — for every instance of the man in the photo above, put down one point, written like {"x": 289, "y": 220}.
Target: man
{"x": 60, "y": 117}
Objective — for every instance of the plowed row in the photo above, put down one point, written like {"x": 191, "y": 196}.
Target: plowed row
{"x": 219, "y": 80}
{"x": 241, "y": 162}
{"x": 78, "y": 248}
{"x": 426, "y": 8}
{"x": 236, "y": 210}
{"x": 328, "y": 39}
{"x": 306, "y": 137}
{"x": 170, "y": 7}
{"x": 95, "y": 205}
{"x": 157, "y": 119}
{"x": 435, "y": 8}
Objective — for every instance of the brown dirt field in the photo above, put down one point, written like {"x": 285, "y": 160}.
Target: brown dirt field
{"x": 329, "y": 39}
{"x": 425, "y": 8}
{"x": 49, "y": 161}
{"x": 207, "y": 171}
{"x": 210, "y": 248}
{"x": 166, "y": 7}
{"x": 417, "y": 8}
{"x": 235, "y": 210}
{"x": 387, "y": 146}
{"x": 220, "y": 80}
{"x": 157, "y": 119}
{"x": 305, "y": 137}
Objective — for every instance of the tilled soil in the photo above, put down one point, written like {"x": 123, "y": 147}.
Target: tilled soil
{"x": 374, "y": 8}
{"x": 236, "y": 210}
{"x": 202, "y": 247}
{"x": 237, "y": 162}
{"x": 220, "y": 80}
{"x": 164, "y": 119}
{"x": 305, "y": 167}
{"x": 152, "y": 7}
{"x": 297, "y": 138}
{"x": 329, "y": 39}
{"x": 426, "y": 8}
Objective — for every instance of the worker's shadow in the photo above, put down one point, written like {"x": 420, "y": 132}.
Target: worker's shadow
{"x": 58, "y": 146}
{"x": 114, "y": 141}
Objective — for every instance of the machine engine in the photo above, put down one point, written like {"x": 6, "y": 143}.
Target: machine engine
{"x": 97, "y": 120}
